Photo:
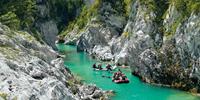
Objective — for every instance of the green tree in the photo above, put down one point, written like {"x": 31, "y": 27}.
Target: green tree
{"x": 22, "y": 10}
{"x": 10, "y": 19}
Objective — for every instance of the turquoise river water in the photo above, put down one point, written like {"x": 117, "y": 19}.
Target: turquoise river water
{"x": 80, "y": 64}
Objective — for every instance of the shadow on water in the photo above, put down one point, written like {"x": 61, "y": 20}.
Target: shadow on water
{"x": 80, "y": 64}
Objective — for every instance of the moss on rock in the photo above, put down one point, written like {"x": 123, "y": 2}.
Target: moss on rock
{"x": 3, "y": 95}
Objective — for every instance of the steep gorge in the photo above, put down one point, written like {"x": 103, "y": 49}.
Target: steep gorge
{"x": 158, "y": 39}
{"x": 29, "y": 68}
{"x": 44, "y": 19}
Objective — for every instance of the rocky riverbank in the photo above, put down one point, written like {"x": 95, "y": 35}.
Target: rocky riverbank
{"x": 157, "y": 40}
{"x": 31, "y": 70}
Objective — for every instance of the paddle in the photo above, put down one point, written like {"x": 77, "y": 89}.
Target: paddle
{"x": 106, "y": 76}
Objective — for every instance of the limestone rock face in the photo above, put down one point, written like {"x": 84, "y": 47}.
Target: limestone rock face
{"x": 30, "y": 70}
{"x": 49, "y": 31}
{"x": 51, "y": 17}
{"x": 45, "y": 24}
{"x": 158, "y": 50}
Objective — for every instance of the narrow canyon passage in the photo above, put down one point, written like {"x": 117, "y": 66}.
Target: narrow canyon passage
{"x": 80, "y": 64}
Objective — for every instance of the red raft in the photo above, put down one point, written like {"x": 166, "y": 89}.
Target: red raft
{"x": 121, "y": 81}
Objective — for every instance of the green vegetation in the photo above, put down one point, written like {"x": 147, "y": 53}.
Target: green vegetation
{"x": 64, "y": 11}
{"x": 73, "y": 82}
{"x": 3, "y": 95}
{"x": 126, "y": 34}
{"x": 17, "y": 13}
{"x": 185, "y": 8}
{"x": 23, "y": 14}
{"x": 10, "y": 19}
{"x": 86, "y": 14}
{"x": 10, "y": 52}
{"x": 25, "y": 11}
{"x": 151, "y": 4}
{"x": 119, "y": 7}
{"x": 37, "y": 35}
{"x": 26, "y": 36}
{"x": 174, "y": 26}
{"x": 195, "y": 7}
{"x": 128, "y": 4}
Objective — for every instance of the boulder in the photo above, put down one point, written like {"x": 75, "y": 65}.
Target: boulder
{"x": 97, "y": 94}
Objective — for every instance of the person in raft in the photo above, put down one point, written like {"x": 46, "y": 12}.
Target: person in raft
{"x": 109, "y": 67}
{"x": 119, "y": 72}
{"x": 117, "y": 75}
{"x": 99, "y": 67}
{"x": 94, "y": 66}
{"x": 124, "y": 77}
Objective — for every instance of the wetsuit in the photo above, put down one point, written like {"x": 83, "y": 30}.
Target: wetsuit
{"x": 94, "y": 66}
{"x": 109, "y": 67}
{"x": 100, "y": 67}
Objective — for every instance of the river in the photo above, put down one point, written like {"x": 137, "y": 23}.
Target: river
{"x": 80, "y": 64}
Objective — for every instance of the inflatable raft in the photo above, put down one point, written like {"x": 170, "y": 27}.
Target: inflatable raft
{"x": 104, "y": 69}
{"x": 121, "y": 81}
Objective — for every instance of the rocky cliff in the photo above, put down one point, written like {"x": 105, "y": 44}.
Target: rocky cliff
{"x": 29, "y": 67}
{"x": 158, "y": 39}
{"x": 31, "y": 70}
{"x": 52, "y": 16}
{"x": 44, "y": 19}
